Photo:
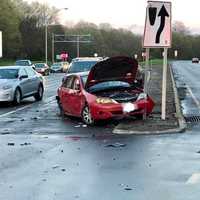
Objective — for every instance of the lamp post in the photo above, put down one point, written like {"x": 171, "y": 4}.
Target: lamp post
{"x": 46, "y": 32}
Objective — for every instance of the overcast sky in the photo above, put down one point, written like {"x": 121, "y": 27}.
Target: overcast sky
{"x": 125, "y": 12}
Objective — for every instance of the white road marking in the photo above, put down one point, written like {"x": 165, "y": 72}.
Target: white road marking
{"x": 194, "y": 179}
{"x": 193, "y": 97}
{"x": 49, "y": 101}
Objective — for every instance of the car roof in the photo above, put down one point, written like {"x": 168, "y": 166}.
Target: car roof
{"x": 11, "y": 67}
{"x": 87, "y": 59}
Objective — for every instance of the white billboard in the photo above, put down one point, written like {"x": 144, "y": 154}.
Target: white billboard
{"x": 157, "y": 32}
{"x": 1, "y": 44}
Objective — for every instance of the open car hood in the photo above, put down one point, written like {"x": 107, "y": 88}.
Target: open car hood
{"x": 119, "y": 68}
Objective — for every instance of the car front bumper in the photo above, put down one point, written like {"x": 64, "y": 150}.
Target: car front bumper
{"x": 121, "y": 110}
{"x": 6, "y": 95}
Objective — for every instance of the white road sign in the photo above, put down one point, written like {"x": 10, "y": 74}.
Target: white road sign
{"x": 157, "y": 31}
{"x": 1, "y": 44}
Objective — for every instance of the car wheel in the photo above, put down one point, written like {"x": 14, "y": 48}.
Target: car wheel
{"x": 62, "y": 113}
{"x": 39, "y": 95}
{"x": 17, "y": 97}
{"x": 86, "y": 116}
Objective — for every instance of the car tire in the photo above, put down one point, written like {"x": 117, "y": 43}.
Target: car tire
{"x": 39, "y": 95}
{"x": 86, "y": 116}
{"x": 62, "y": 113}
{"x": 17, "y": 97}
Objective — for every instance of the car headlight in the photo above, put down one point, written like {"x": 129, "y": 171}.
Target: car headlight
{"x": 105, "y": 100}
{"x": 7, "y": 87}
{"x": 142, "y": 96}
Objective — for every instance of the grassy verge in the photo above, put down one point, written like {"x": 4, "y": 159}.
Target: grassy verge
{"x": 4, "y": 62}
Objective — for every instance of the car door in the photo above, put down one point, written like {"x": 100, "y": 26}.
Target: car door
{"x": 65, "y": 93}
{"x": 76, "y": 97}
{"x": 24, "y": 82}
{"x": 33, "y": 80}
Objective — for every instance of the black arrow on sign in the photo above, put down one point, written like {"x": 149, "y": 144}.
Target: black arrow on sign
{"x": 162, "y": 14}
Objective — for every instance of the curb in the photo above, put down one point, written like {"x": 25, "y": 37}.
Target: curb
{"x": 179, "y": 116}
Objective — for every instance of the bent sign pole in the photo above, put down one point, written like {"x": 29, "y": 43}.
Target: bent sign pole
{"x": 157, "y": 34}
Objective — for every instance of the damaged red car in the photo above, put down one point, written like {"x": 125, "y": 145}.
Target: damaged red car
{"x": 110, "y": 90}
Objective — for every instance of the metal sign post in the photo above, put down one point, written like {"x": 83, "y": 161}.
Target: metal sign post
{"x": 146, "y": 78}
{"x": 164, "y": 85}
{"x": 1, "y": 54}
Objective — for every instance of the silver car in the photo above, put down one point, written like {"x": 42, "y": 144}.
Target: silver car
{"x": 18, "y": 82}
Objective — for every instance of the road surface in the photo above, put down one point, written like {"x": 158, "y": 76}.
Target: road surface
{"x": 45, "y": 157}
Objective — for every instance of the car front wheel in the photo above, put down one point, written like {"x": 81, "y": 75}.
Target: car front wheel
{"x": 86, "y": 116}
{"x": 39, "y": 95}
{"x": 17, "y": 97}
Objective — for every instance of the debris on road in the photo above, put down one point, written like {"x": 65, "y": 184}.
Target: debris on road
{"x": 6, "y": 132}
{"x": 11, "y": 144}
{"x": 25, "y": 144}
{"x": 63, "y": 170}
{"x": 115, "y": 145}
{"x": 61, "y": 151}
{"x": 128, "y": 188}
{"x": 22, "y": 120}
{"x": 55, "y": 167}
{"x": 198, "y": 151}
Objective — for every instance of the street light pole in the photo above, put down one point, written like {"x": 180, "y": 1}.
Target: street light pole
{"x": 46, "y": 32}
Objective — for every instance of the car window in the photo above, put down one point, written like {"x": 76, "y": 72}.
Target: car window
{"x": 30, "y": 72}
{"x": 8, "y": 73}
{"x": 76, "y": 84}
{"x": 22, "y": 72}
{"x": 81, "y": 66}
{"x": 68, "y": 82}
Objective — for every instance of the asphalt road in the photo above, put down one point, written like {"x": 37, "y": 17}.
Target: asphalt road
{"x": 45, "y": 157}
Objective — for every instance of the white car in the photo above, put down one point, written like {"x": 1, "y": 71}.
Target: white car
{"x": 18, "y": 82}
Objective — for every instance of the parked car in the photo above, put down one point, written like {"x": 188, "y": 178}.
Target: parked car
{"x": 83, "y": 64}
{"x": 19, "y": 82}
{"x": 42, "y": 68}
{"x": 195, "y": 60}
{"x": 24, "y": 63}
{"x": 56, "y": 67}
{"x": 109, "y": 91}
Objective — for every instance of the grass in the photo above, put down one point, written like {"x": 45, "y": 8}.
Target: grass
{"x": 4, "y": 62}
{"x": 153, "y": 62}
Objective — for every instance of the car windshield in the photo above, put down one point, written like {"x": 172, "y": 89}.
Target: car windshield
{"x": 84, "y": 78}
{"x": 109, "y": 85}
{"x": 8, "y": 73}
{"x": 39, "y": 65}
{"x": 22, "y": 63}
{"x": 81, "y": 66}
{"x": 56, "y": 65}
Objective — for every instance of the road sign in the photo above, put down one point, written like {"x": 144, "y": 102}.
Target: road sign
{"x": 1, "y": 44}
{"x": 157, "y": 32}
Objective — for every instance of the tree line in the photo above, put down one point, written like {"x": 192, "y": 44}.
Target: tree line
{"x": 23, "y": 28}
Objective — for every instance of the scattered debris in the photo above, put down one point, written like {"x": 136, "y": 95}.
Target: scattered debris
{"x": 11, "y": 144}
{"x": 55, "y": 167}
{"x": 116, "y": 145}
{"x": 25, "y": 144}
{"x": 128, "y": 188}
{"x": 40, "y": 151}
{"x": 35, "y": 118}
{"x": 114, "y": 158}
{"x": 198, "y": 151}
{"x": 44, "y": 179}
{"x": 63, "y": 170}
{"x": 5, "y": 133}
{"x": 61, "y": 151}
{"x": 22, "y": 120}
{"x": 37, "y": 111}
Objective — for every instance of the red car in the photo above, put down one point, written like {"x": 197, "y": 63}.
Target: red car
{"x": 109, "y": 91}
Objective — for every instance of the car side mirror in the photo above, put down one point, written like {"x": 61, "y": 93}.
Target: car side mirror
{"x": 23, "y": 77}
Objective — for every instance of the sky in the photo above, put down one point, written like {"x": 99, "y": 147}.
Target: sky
{"x": 123, "y": 13}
